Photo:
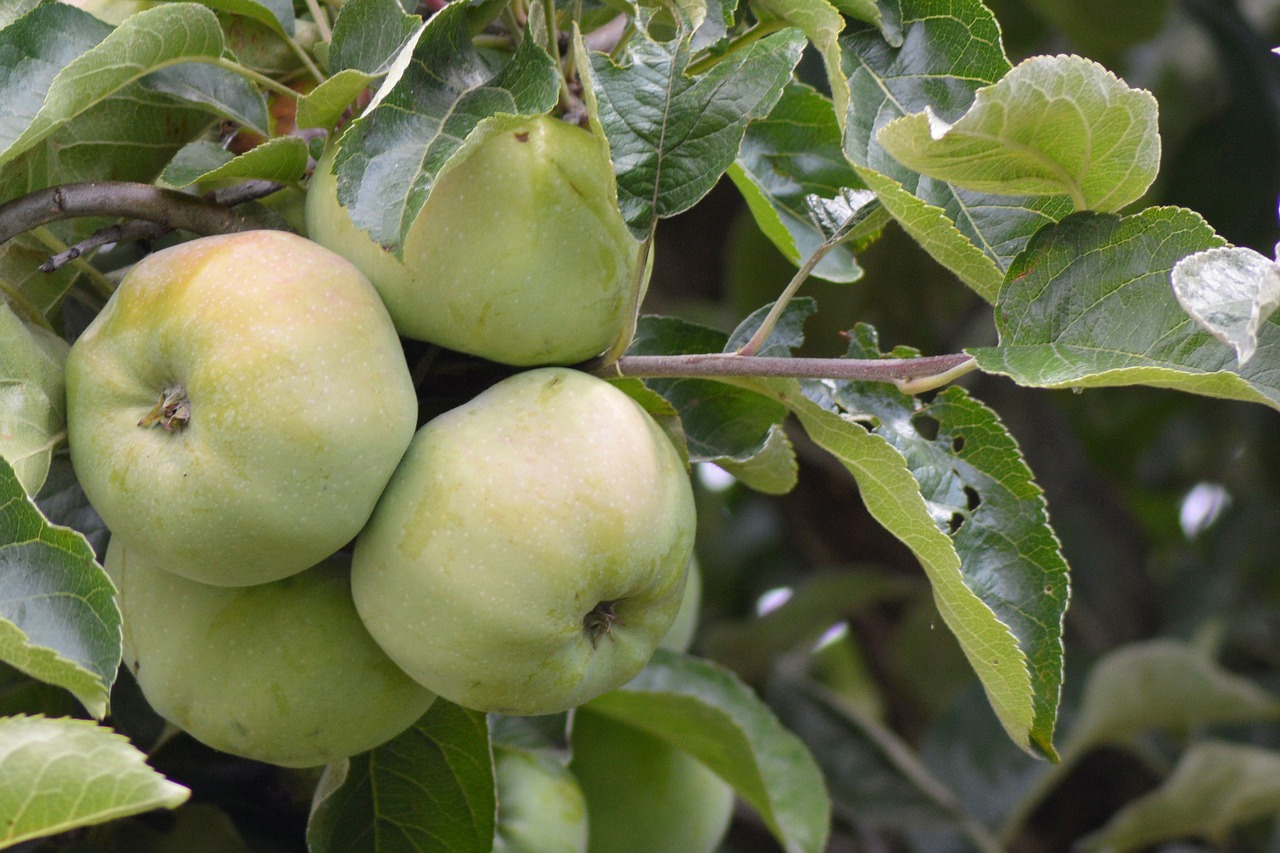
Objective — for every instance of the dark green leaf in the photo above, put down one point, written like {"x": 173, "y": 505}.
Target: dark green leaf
{"x": 429, "y": 789}
{"x": 981, "y": 493}
{"x": 792, "y": 153}
{"x": 706, "y": 711}
{"x": 673, "y": 135}
{"x": 369, "y": 34}
{"x": 424, "y": 120}
{"x": 58, "y": 616}
{"x": 1090, "y": 304}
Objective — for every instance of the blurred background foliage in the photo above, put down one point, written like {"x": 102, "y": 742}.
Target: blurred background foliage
{"x": 1167, "y": 505}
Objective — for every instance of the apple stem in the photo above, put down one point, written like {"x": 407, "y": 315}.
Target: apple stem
{"x": 172, "y": 412}
{"x": 600, "y": 621}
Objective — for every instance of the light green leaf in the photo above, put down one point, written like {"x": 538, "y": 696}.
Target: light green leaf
{"x": 14, "y": 10}
{"x": 429, "y": 789}
{"x": 325, "y": 104}
{"x": 705, "y": 710}
{"x": 1054, "y": 125}
{"x": 671, "y": 135}
{"x": 893, "y": 497}
{"x": 948, "y": 51}
{"x": 282, "y": 159}
{"x": 1089, "y": 304}
{"x": 59, "y": 774}
{"x": 792, "y": 153}
{"x": 447, "y": 100}
{"x": 1161, "y": 684}
{"x": 979, "y": 490}
{"x": 1231, "y": 291}
{"x": 58, "y": 617}
{"x": 32, "y": 398}
{"x": 149, "y": 41}
{"x": 821, "y": 23}
{"x": 1214, "y": 788}
{"x": 276, "y": 14}
{"x": 772, "y": 471}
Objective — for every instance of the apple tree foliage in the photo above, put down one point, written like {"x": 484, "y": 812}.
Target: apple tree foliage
{"x": 1029, "y": 191}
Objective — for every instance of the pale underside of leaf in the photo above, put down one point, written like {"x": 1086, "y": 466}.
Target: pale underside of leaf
{"x": 59, "y": 774}
{"x": 1231, "y": 292}
{"x": 1054, "y": 125}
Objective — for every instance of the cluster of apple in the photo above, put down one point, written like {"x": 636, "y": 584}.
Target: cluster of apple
{"x": 242, "y": 409}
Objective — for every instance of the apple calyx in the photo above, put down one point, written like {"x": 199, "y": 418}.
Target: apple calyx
{"x": 172, "y": 412}
{"x": 599, "y": 622}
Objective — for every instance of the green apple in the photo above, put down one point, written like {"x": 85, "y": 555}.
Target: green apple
{"x": 282, "y": 672}
{"x": 519, "y": 256}
{"x": 530, "y": 551}
{"x": 540, "y": 805}
{"x": 644, "y": 795}
{"x": 238, "y": 406}
{"x": 680, "y": 636}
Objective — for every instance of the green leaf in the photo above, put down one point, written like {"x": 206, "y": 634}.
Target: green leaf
{"x": 1161, "y": 684}
{"x": 792, "y": 153}
{"x": 721, "y": 423}
{"x": 59, "y": 774}
{"x": 58, "y": 616}
{"x": 1054, "y": 125}
{"x": 1214, "y": 788}
{"x": 447, "y": 100}
{"x": 821, "y": 23}
{"x": 428, "y": 789}
{"x": 672, "y": 135}
{"x": 369, "y": 34}
{"x": 948, "y": 51}
{"x": 772, "y": 471}
{"x": 705, "y": 710}
{"x": 1231, "y": 292}
{"x": 149, "y": 41}
{"x": 324, "y": 105}
{"x": 979, "y": 490}
{"x": 276, "y": 14}
{"x": 893, "y": 497}
{"x": 32, "y": 398}
{"x": 1089, "y": 304}
{"x": 281, "y": 158}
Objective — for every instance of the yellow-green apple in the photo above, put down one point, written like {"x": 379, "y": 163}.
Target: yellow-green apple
{"x": 530, "y": 551}
{"x": 238, "y": 406}
{"x": 281, "y": 672}
{"x": 540, "y": 805}
{"x": 643, "y": 794}
{"x": 519, "y": 256}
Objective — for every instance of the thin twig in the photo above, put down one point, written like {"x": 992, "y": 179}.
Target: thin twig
{"x": 771, "y": 320}
{"x": 711, "y": 365}
{"x": 161, "y": 210}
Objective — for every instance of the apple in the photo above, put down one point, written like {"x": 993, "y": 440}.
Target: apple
{"x": 540, "y": 805}
{"x": 519, "y": 256}
{"x": 679, "y": 636}
{"x": 530, "y": 551}
{"x": 644, "y": 795}
{"x": 281, "y": 672}
{"x": 237, "y": 407}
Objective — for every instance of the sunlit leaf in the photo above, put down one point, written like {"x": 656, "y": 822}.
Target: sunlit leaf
{"x": 1230, "y": 291}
